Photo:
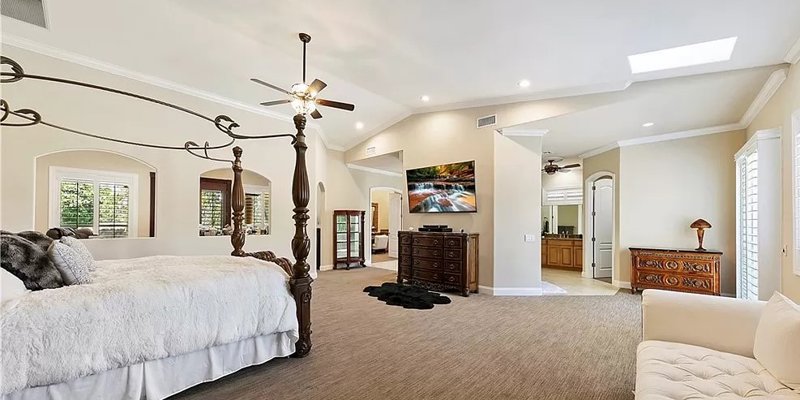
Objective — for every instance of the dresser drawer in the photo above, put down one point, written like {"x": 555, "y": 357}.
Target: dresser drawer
{"x": 453, "y": 267}
{"x": 657, "y": 264}
{"x": 404, "y": 271}
{"x": 427, "y": 276}
{"x": 405, "y": 249}
{"x": 426, "y": 252}
{"x": 427, "y": 264}
{"x": 692, "y": 283}
{"x": 701, "y": 267}
{"x": 432, "y": 241}
{"x": 453, "y": 241}
{"x": 453, "y": 254}
{"x": 404, "y": 259}
{"x": 452, "y": 279}
{"x": 404, "y": 238}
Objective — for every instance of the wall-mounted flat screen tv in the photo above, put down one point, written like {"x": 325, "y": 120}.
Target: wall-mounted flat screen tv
{"x": 448, "y": 188}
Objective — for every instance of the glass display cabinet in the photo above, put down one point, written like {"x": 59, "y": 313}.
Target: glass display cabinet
{"x": 348, "y": 240}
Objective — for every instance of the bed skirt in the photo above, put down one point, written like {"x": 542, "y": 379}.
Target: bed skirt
{"x": 162, "y": 378}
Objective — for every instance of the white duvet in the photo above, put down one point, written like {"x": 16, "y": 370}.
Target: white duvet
{"x": 140, "y": 309}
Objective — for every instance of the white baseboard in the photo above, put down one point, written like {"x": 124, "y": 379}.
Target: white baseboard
{"x": 326, "y": 267}
{"x": 621, "y": 284}
{"x": 496, "y": 291}
{"x": 387, "y": 265}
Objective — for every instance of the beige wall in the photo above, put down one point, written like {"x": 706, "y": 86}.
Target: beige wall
{"x": 570, "y": 179}
{"x": 177, "y": 183}
{"x": 92, "y": 160}
{"x": 517, "y": 213}
{"x": 778, "y": 114}
{"x": 248, "y": 177}
{"x": 440, "y": 138}
{"x": 668, "y": 185}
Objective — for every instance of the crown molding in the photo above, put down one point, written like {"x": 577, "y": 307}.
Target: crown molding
{"x": 533, "y": 96}
{"x": 524, "y": 132}
{"x": 771, "y": 86}
{"x": 114, "y": 69}
{"x": 681, "y": 134}
{"x": 373, "y": 170}
{"x": 599, "y": 150}
{"x": 793, "y": 55}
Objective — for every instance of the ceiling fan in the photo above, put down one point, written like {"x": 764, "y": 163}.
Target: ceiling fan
{"x": 303, "y": 97}
{"x": 551, "y": 168}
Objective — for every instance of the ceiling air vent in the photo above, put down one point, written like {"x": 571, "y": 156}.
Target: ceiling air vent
{"x": 487, "y": 121}
{"x": 30, "y": 11}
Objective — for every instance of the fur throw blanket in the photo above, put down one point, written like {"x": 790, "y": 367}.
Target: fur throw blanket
{"x": 140, "y": 309}
{"x": 25, "y": 255}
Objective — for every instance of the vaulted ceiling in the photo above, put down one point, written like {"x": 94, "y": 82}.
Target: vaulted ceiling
{"x": 383, "y": 56}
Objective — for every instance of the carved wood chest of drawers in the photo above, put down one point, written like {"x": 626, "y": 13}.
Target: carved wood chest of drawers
{"x": 439, "y": 261}
{"x": 673, "y": 269}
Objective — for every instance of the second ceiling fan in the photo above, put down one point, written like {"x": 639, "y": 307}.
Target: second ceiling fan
{"x": 302, "y": 96}
{"x": 551, "y": 168}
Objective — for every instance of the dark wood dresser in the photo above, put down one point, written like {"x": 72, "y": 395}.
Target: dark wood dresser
{"x": 675, "y": 269}
{"x": 439, "y": 261}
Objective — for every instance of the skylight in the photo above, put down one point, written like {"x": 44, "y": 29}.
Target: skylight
{"x": 683, "y": 56}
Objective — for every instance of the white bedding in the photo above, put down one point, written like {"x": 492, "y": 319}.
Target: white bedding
{"x": 140, "y": 309}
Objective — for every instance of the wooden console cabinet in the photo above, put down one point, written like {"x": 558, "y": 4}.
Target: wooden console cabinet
{"x": 439, "y": 261}
{"x": 348, "y": 238}
{"x": 562, "y": 253}
{"x": 674, "y": 269}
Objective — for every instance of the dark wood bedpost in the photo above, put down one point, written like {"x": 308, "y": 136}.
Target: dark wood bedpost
{"x": 237, "y": 204}
{"x": 301, "y": 245}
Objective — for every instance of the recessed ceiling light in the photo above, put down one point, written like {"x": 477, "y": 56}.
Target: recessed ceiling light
{"x": 648, "y": 124}
{"x": 524, "y": 83}
{"x": 359, "y": 125}
{"x": 683, "y": 56}
{"x": 425, "y": 98}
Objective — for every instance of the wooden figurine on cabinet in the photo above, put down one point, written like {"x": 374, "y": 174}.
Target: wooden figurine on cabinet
{"x": 348, "y": 239}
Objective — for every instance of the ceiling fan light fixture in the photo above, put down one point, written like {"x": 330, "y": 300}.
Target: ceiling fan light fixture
{"x": 299, "y": 88}
{"x": 302, "y": 106}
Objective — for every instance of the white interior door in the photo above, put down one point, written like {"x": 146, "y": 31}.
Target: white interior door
{"x": 395, "y": 210}
{"x": 603, "y": 230}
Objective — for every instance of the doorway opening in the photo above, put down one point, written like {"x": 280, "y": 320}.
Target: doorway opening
{"x": 599, "y": 241}
{"x": 384, "y": 219}
{"x": 320, "y": 215}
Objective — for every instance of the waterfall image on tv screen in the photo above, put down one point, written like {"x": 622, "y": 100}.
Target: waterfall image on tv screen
{"x": 442, "y": 188}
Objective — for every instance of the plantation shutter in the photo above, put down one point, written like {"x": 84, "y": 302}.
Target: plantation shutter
{"x": 113, "y": 209}
{"x": 76, "y": 203}
{"x": 797, "y": 195}
{"x": 211, "y": 203}
{"x": 747, "y": 260}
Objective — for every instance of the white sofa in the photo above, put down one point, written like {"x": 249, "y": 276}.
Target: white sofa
{"x": 701, "y": 347}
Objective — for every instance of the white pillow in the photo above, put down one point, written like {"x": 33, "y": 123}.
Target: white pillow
{"x": 11, "y": 287}
{"x": 73, "y": 266}
{"x": 79, "y": 247}
{"x": 777, "y": 341}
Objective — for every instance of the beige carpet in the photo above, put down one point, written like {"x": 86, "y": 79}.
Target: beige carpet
{"x": 480, "y": 347}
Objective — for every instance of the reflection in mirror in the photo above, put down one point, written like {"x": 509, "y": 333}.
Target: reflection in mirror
{"x": 215, "y": 203}
{"x": 568, "y": 216}
{"x": 94, "y": 194}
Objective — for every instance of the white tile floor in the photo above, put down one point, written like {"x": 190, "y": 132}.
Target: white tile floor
{"x": 573, "y": 284}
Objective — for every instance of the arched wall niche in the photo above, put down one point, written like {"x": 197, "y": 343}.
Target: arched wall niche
{"x": 215, "y": 217}
{"x": 109, "y": 192}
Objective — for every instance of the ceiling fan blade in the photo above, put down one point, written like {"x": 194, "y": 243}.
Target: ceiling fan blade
{"x": 269, "y": 85}
{"x": 336, "y": 104}
{"x": 316, "y": 86}
{"x": 571, "y": 166}
{"x": 316, "y": 115}
{"x": 275, "y": 102}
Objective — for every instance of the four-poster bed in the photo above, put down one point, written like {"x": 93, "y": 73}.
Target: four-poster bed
{"x": 297, "y": 271}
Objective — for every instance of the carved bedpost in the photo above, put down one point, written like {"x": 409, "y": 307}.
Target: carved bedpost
{"x": 301, "y": 245}
{"x": 237, "y": 204}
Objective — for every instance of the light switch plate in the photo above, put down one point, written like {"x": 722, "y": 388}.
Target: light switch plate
{"x": 530, "y": 238}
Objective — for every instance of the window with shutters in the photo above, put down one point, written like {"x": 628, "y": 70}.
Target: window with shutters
{"x": 796, "y": 189}
{"x": 747, "y": 224}
{"x": 257, "y": 210}
{"x": 99, "y": 200}
{"x": 215, "y": 205}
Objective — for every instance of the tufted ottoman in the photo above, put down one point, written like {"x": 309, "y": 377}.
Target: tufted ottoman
{"x": 701, "y": 347}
